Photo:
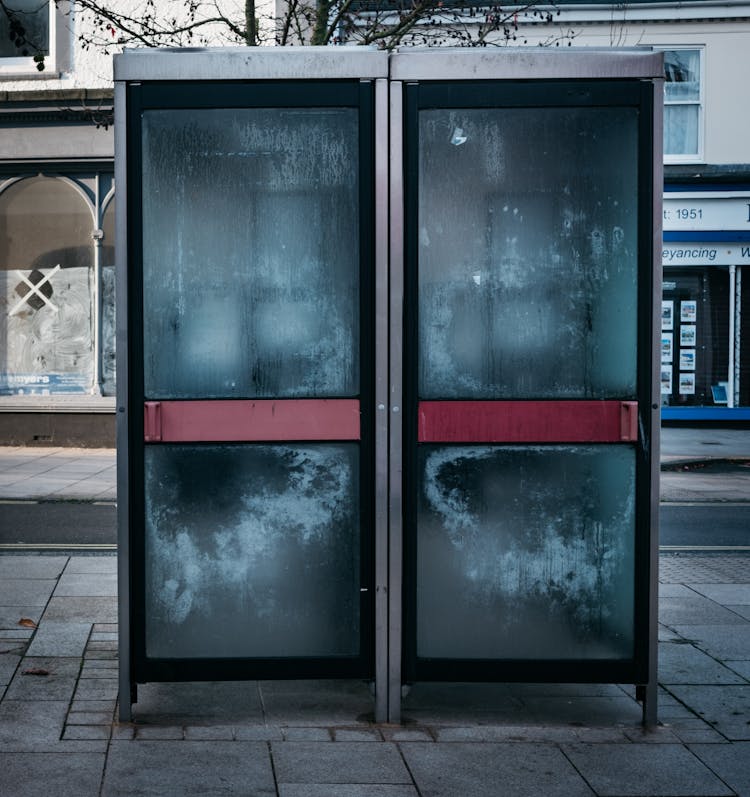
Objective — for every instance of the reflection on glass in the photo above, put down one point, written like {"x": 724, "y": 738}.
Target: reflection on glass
{"x": 525, "y": 552}
{"x": 252, "y": 551}
{"x": 107, "y": 298}
{"x": 527, "y": 253}
{"x": 250, "y": 253}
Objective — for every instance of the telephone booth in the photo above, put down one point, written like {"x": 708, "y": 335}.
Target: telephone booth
{"x": 385, "y": 366}
{"x": 528, "y": 387}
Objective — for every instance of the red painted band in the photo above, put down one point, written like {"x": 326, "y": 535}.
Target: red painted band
{"x": 528, "y": 421}
{"x": 267, "y": 420}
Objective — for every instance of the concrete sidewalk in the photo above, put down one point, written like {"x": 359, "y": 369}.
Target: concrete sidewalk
{"x": 58, "y": 688}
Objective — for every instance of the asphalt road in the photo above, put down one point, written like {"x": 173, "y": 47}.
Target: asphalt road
{"x": 79, "y": 523}
{"x": 57, "y": 522}
{"x": 712, "y": 524}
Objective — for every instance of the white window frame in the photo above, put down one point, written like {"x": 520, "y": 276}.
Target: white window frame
{"x": 691, "y": 157}
{"x": 25, "y": 67}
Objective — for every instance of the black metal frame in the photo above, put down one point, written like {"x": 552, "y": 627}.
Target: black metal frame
{"x": 249, "y": 94}
{"x": 610, "y": 93}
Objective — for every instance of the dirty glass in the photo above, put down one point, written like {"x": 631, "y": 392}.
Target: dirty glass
{"x": 250, "y": 253}
{"x": 252, "y": 551}
{"x": 46, "y": 288}
{"x": 525, "y": 552}
{"x": 528, "y": 253}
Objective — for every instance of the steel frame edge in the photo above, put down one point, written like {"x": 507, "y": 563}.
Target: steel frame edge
{"x": 122, "y": 420}
{"x": 650, "y": 703}
{"x": 381, "y": 401}
{"x": 394, "y": 405}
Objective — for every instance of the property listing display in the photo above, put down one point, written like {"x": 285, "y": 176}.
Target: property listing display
{"x": 693, "y": 369}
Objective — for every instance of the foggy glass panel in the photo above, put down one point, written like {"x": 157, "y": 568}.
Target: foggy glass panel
{"x": 526, "y": 552}
{"x": 252, "y": 551}
{"x": 251, "y": 253}
{"x": 528, "y": 253}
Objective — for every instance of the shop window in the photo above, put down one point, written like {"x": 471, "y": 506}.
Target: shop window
{"x": 46, "y": 288}
{"x": 683, "y": 101}
{"x": 695, "y": 337}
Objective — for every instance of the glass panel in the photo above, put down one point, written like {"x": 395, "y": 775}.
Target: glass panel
{"x": 29, "y": 23}
{"x": 109, "y": 320}
{"x": 528, "y": 256}
{"x": 525, "y": 552}
{"x": 681, "y": 129}
{"x": 46, "y": 290}
{"x": 682, "y": 73}
{"x": 251, "y": 253}
{"x": 252, "y": 551}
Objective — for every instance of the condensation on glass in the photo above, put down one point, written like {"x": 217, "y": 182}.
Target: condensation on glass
{"x": 526, "y": 552}
{"x": 46, "y": 288}
{"x": 251, "y": 253}
{"x": 252, "y": 551}
{"x": 528, "y": 253}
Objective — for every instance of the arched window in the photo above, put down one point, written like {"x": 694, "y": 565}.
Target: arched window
{"x": 107, "y": 262}
{"x": 46, "y": 273}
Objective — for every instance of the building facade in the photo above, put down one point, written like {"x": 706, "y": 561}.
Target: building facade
{"x": 57, "y": 200}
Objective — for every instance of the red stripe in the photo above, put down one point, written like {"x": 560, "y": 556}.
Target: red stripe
{"x": 528, "y": 421}
{"x": 271, "y": 420}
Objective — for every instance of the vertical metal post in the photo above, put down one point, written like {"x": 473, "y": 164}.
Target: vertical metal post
{"x": 123, "y": 519}
{"x": 650, "y": 697}
{"x": 97, "y": 297}
{"x": 737, "y": 334}
{"x": 732, "y": 331}
{"x": 381, "y": 400}
{"x": 395, "y": 523}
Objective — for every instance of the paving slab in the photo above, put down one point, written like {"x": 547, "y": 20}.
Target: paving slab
{"x": 188, "y": 768}
{"x": 349, "y": 790}
{"x": 86, "y": 585}
{"x": 725, "y": 708}
{"x": 10, "y": 616}
{"x": 696, "y": 610}
{"x": 644, "y": 770}
{"x": 734, "y": 594}
{"x": 729, "y": 762}
{"x": 32, "y": 567}
{"x": 101, "y": 563}
{"x": 314, "y": 707}
{"x": 740, "y": 667}
{"x": 25, "y": 592}
{"x": 340, "y": 762}
{"x": 31, "y": 725}
{"x": 724, "y": 642}
{"x": 685, "y": 664}
{"x": 30, "y": 682}
{"x": 196, "y": 703}
{"x": 91, "y": 610}
{"x": 477, "y": 770}
{"x": 8, "y": 665}
{"x": 51, "y": 774}
{"x": 600, "y": 711}
{"x": 60, "y": 639}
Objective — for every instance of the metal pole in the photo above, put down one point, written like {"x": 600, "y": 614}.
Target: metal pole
{"x": 730, "y": 375}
